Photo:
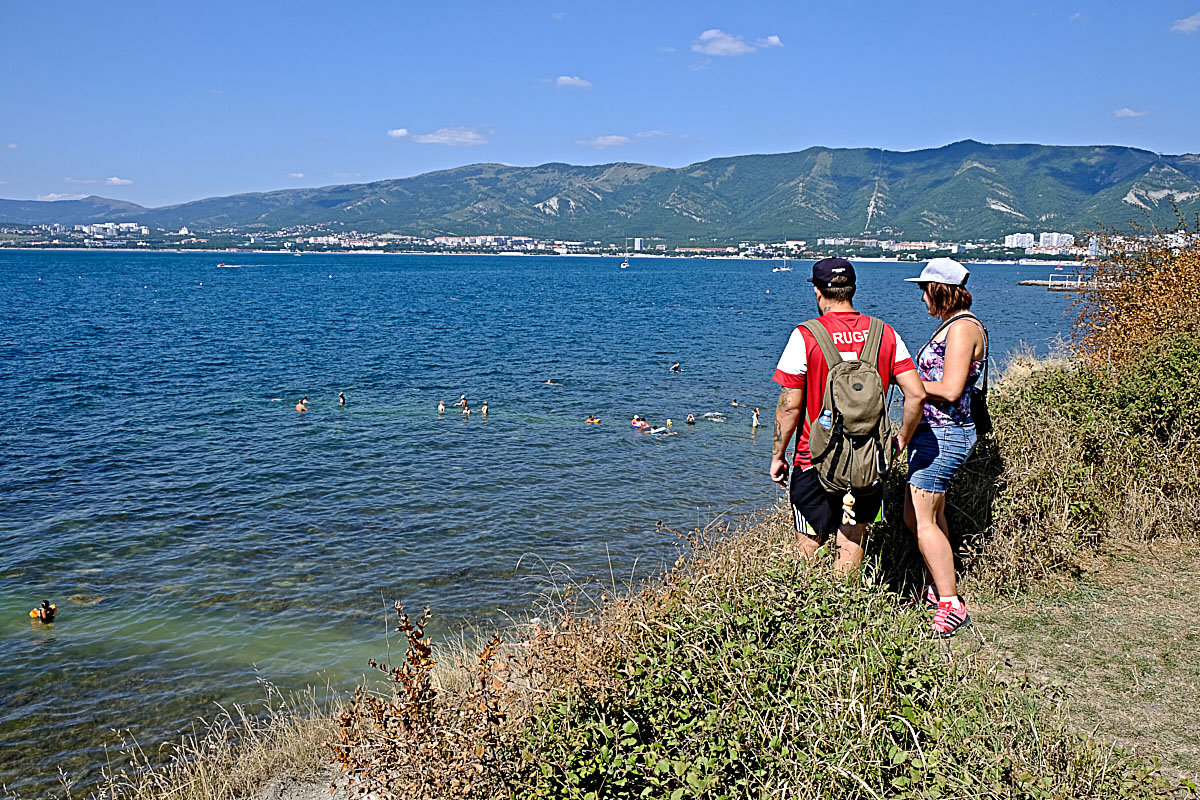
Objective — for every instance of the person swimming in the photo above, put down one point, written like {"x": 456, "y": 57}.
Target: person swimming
{"x": 690, "y": 420}
{"x": 639, "y": 423}
{"x": 45, "y": 612}
{"x": 483, "y": 409}
{"x": 754, "y": 422}
{"x": 441, "y": 407}
{"x": 302, "y": 406}
{"x": 734, "y": 403}
{"x": 462, "y": 401}
{"x": 466, "y": 409}
{"x": 341, "y": 398}
{"x": 592, "y": 420}
{"x": 668, "y": 422}
{"x": 676, "y": 367}
{"x": 550, "y": 382}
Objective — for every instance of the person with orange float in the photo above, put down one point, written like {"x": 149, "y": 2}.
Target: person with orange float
{"x": 45, "y": 612}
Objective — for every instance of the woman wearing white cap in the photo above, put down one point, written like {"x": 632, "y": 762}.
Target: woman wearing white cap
{"x": 950, "y": 365}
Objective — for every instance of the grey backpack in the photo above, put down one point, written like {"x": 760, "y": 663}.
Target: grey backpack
{"x": 849, "y": 440}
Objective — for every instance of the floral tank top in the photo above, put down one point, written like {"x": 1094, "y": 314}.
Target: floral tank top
{"x": 931, "y": 363}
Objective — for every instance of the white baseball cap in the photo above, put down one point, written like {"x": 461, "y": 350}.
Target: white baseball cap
{"x": 943, "y": 270}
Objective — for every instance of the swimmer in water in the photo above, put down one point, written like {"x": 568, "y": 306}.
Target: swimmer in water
{"x": 676, "y": 367}
{"x": 462, "y": 401}
{"x": 754, "y": 422}
{"x": 734, "y": 403}
{"x": 668, "y": 422}
{"x": 466, "y": 409}
{"x": 483, "y": 410}
{"x": 690, "y": 420}
{"x": 302, "y": 406}
{"x": 592, "y": 420}
{"x": 441, "y": 407}
{"x": 550, "y": 382}
{"x": 341, "y": 398}
{"x": 45, "y": 612}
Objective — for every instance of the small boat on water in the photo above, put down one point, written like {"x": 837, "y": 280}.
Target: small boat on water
{"x": 784, "y": 268}
{"x": 625, "y": 264}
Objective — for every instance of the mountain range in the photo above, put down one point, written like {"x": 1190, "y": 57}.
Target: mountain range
{"x": 966, "y": 190}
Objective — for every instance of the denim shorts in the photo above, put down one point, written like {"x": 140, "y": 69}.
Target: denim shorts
{"x": 937, "y": 453}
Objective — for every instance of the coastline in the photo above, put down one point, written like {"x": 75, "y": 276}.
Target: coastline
{"x": 632, "y": 257}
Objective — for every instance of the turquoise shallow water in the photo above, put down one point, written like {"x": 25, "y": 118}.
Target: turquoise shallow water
{"x": 210, "y": 535}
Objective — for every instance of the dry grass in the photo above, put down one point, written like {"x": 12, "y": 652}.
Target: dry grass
{"x": 230, "y": 757}
{"x": 742, "y": 672}
{"x": 1123, "y": 645}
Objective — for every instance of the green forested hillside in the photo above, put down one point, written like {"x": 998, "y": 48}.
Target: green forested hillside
{"x": 961, "y": 191}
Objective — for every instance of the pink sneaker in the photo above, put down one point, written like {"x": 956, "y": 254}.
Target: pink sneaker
{"x": 948, "y": 620}
{"x": 931, "y": 597}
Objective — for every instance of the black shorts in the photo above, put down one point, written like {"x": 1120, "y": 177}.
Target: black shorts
{"x": 817, "y": 512}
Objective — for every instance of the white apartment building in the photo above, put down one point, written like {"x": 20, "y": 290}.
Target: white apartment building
{"x": 1019, "y": 240}
{"x": 1056, "y": 240}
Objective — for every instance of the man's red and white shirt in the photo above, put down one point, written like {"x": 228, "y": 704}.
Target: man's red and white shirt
{"x": 802, "y": 365}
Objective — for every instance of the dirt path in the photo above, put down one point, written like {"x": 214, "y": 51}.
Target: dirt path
{"x": 1124, "y": 646}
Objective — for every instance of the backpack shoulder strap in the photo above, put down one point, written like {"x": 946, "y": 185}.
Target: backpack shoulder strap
{"x": 873, "y": 344}
{"x": 824, "y": 341}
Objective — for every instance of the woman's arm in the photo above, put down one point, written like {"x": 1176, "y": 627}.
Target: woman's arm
{"x": 961, "y": 340}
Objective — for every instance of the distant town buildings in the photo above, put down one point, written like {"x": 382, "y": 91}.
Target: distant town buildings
{"x": 336, "y": 236}
{"x": 1056, "y": 240}
{"x": 105, "y": 229}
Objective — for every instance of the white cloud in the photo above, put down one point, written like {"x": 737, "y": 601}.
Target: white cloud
{"x": 558, "y": 16}
{"x": 398, "y": 133}
{"x": 346, "y": 174}
{"x": 604, "y": 142}
{"x": 117, "y": 181}
{"x": 572, "y": 82}
{"x": 666, "y": 49}
{"x": 716, "y": 42}
{"x": 1187, "y": 24}
{"x": 56, "y": 196}
{"x": 79, "y": 180}
{"x": 1075, "y": 17}
{"x": 453, "y": 137}
{"x": 1128, "y": 113}
{"x": 11, "y": 145}
{"x": 650, "y": 134}
{"x": 296, "y": 175}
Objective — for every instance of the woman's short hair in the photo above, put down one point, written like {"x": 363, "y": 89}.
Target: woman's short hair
{"x": 945, "y": 299}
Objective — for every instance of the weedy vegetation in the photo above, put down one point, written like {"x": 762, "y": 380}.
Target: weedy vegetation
{"x": 746, "y": 672}
{"x": 229, "y": 757}
{"x": 742, "y": 673}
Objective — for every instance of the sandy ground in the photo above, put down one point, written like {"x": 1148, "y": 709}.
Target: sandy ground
{"x": 292, "y": 789}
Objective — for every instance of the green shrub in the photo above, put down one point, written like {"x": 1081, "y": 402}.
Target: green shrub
{"x": 799, "y": 684}
{"x": 1080, "y": 456}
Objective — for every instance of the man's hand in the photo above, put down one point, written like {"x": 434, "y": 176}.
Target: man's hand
{"x": 787, "y": 418}
{"x": 779, "y": 470}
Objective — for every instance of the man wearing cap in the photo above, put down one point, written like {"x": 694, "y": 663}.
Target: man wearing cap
{"x": 802, "y": 372}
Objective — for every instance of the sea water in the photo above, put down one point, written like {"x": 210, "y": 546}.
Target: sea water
{"x": 198, "y": 534}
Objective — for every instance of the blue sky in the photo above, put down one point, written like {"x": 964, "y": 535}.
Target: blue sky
{"x": 159, "y": 102}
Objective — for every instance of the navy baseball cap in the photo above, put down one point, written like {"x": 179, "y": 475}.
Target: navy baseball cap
{"x": 831, "y": 272}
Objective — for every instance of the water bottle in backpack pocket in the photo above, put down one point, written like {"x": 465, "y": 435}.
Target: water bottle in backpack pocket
{"x": 848, "y": 441}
